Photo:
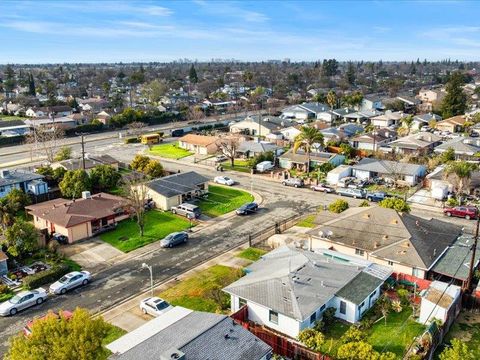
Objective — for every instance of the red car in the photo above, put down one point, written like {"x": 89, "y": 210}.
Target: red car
{"x": 467, "y": 212}
{"x": 27, "y": 330}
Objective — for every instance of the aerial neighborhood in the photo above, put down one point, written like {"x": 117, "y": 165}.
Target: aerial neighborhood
{"x": 234, "y": 210}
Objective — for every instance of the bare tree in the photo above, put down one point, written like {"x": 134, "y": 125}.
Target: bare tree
{"x": 136, "y": 127}
{"x": 46, "y": 140}
{"x": 229, "y": 147}
{"x": 136, "y": 195}
{"x": 195, "y": 113}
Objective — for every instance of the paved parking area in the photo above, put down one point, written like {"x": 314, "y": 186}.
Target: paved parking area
{"x": 91, "y": 254}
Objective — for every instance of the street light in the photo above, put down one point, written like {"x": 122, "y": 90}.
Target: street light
{"x": 146, "y": 266}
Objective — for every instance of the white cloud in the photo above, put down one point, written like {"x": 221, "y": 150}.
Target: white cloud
{"x": 229, "y": 9}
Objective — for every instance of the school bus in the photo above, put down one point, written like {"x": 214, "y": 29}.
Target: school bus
{"x": 149, "y": 139}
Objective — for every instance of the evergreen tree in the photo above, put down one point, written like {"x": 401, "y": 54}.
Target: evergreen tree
{"x": 9, "y": 82}
{"x": 350, "y": 74}
{"x": 455, "y": 102}
{"x": 193, "y": 75}
{"x": 31, "y": 85}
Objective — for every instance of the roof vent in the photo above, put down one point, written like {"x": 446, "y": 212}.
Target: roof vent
{"x": 366, "y": 216}
{"x": 172, "y": 354}
{"x": 322, "y": 284}
{"x": 394, "y": 221}
{"x": 385, "y": 237}
{"x": 86, "y": 195}
{"x": 226, "y": 336}
{"x": 376, "y": 245}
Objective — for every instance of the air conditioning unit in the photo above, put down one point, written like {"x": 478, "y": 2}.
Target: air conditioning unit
{"x": 172, "y": 354}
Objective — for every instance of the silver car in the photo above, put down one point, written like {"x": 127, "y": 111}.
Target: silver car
{"x": 154, "y": 306}
{"x": 23, "y": 300}
{"x": 70, "y": 281}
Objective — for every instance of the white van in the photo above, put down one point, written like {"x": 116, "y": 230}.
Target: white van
{"x": 264, "y": 166}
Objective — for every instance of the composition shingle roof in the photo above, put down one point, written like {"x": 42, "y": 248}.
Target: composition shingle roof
{"x": 257, "y": 147}
{"x": 177, "y": 184}
{"x": 90, "y": 162}
{"x": 300, "y": 157}
{"x": 387, "y": 167}
{"x": 10, "y": 177}
{"x": 359, "y": 288}
{"x": 201, "y": 140}
{"x": 460, "y": 145}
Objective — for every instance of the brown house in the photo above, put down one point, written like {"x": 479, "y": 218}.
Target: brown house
{"x": 199, "y": 144}
{"x": 80, "y": 218}
{"x": 453, "y": 124}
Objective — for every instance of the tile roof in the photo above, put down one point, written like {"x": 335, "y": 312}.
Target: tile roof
{"x": 9, "y": 177}
{"x": 68, "y": 213}
{"x": 177, "y": 184}
{"x": 201, "y": 140}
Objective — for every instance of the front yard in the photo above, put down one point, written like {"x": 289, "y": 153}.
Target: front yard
{"x": 239, "y": 165}
{"x": 222, "y": 200}
{"x": 126, "y": 237}
{"x": 203, "y": 291}
{"x": 251, "y": 253}
{"x": 308, "y": 221}
{"x": 169, "y": 151}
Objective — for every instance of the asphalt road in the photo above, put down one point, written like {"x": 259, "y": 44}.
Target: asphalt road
{"x": 125, "y": 279}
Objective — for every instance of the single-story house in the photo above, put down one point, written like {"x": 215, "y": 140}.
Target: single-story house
{"x": 199, "y": 144}
{"x": 341, "y": 132}
{"x": 260, "y": 126}
{"x": 289, "y": 289}
{"x": 453, "y": 124}
{"x": 249, "y": 149}
{"x": 103, "y": 117}
{"x": 424, "y": 120}
{"x": 341, "y": 113}
{"x": 63, "y": 122}
{"x": 405, "y": 173}
{"x": 304, "y": 111}
{"x": 373, "y": 140}
{"x": 406, "y": 243}
{"x": 3, "y": 263}
{"x": 440, "y": 185}
{"x": 90, "y": 162}
{"x": 175, "y": 189}
{"x": 370, "y": 102}
{"x": 184, "y": 334}
{"x": 26, "y": 181}
{"x": 290, "y": 133}
{"x": 79, "y": 218}
{"x": 441, "y": 301}
{"x": 389, "y": 118}
{"x": 13, "y": 128}
{"x": 60, "y": 111}
{"x": 421, "y": 143}
{"x": 299, "y": 159}
{"x": 465, "y": 148}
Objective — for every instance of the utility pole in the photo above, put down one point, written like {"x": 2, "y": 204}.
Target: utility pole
{"x": 472, "y": 260}
{"x": 83, "y": 152}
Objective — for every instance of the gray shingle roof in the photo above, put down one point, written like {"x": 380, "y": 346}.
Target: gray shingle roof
{"x": 90, "y": 162}
{"x": 17, "y": 177}
{"x": 201, "y": 336}
{"x": 177, "y": 184}
{"x": 387, "y": 167}
{"x": 300, "y": 157}
{"x": 257, "y": 147}
{"x": 359, "y": 288}
{"x": 461, "y": 145}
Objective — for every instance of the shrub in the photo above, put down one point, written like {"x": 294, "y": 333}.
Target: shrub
{"x": 395, "y": 203}
{"x": 338, "y": 206}
{"x": 452, "y": 202}
{"x": 404, "y": 295}
{"x": 329, "y": 316}
{"x": 132, "y": 140}
{"x": 4, "y": 289}
{"x": 352, "y": 334}
{"x": 364, "y": 203}
{"x": 44, "y": 277}
{"x": 5, "y": 297}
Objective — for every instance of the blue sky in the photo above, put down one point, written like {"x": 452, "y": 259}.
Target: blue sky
{"x": 112, "y": 31}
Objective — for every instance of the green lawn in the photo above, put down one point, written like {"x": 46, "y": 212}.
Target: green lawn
{"x": 253, "y": 254}
{"x": 113, "y": 333}
{"x": 202, "y": 291}
{"x": 308, "y": 221}
{"x": 222, "y": 200}
{"x": 11, "y": 117}
{"x": 126, "y": 237}
{"x": 239, "y": 165}
{"x": 394, "y": 336}
{"x": 466, "y": 329}
{"x": 332, "y": 337}
{"x": 169, "y": 151}
{"x": 380, "y": 188}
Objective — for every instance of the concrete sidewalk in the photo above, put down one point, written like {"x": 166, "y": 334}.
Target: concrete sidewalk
{"x": 128, "y": 315}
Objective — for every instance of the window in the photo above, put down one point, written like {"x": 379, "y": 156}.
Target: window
{"x": 359, "y": 252}
{"x": 415, "y": 272}
{"x": 313, "y": 317}
{"x": 323, "y": 307}
{"x": 390, "y": 263}
{"x": 372, "y": 294}
{"x": 241, "y": 302}
{"x": 343, "y": 307}
{"x": 273, "y": 317}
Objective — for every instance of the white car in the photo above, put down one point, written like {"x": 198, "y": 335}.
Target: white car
{"x": 154, "y": 306}
{"x": 23, "y": 300}
{"x": 70, "y": 281}
{"x": 224, "y": 180}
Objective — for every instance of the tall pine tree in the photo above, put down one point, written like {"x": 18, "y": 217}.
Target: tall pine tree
{"x": 455, "y": 102}
{"x": 193, "y": 75}
{"x": 31, "y": 85}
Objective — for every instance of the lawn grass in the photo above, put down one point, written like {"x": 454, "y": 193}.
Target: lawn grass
{"x": 12, "y": 117}
{"x": 169, "y": 151}
{"x": 394, "y": 337}
{"x": 253, "y": 254}
{"x": 332, "y": 337}
{"x": 72, "y": 264}
{"x": 308, "y": 222}
{"x": 222, "y": 200}
{"x": 239, "y": 165}
{"x": 113, "y": 333}
{"x": 202, "y": 291}
{"x": 381, "y": 188}
{"x": 126, "y": 237}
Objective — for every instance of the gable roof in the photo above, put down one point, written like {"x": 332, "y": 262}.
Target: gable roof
{"x": 200, "y": 140}
{"x": 10, "y": 177}
{"x": 257, "y": 147}
{"x": 460, "y": 145}
{"x": 296, "y": 282}
{"x": 90, "y": 162}
{"x": 454, "y": 120}
{"x": 359, "y": 288}
{"x": 68, "y": 213}
{"x": 177, "y": 184}
{"x": 387, "y": 166}
{"x": 300, "y": 157}
{"x": 414, "y": 141}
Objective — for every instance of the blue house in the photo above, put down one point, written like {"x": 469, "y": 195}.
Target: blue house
{"x": 26, "y": 181}
{"x": 3, "y": 263}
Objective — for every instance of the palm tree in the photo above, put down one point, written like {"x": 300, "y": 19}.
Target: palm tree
{"x": 305, "y": 141}
{"x": 461, "y": 172}
{"x": 408, "y": 122}
{"x": 332, "y": 99}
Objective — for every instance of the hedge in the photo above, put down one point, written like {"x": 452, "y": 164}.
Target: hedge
{"x": 12, "y": 140}
{"x": 45, "y": 277}
{"x": 5, "y": 297}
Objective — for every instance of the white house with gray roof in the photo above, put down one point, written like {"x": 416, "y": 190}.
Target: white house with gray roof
{"x": 26, "y": 181}
{"x": 408, "y": 174}
{"x": 289, "y": 289}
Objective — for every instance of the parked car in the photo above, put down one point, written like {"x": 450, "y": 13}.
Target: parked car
{"x": 188, "y": 210}
{"x": 322, "y": 187}
{"x": 220, "y": 158}
{"x": 467, "y": 212}
{"x": 247, "y": 209}
{"x": 173, "y": 239}
{"x": 355, "y": 193}
{"x": 224, "y": 180}
{"x": 343, "y": 182}
{"x": 70, "y": 281}
{"x": 23, "y": 300}
{"x": 61, "y": 239}
{"x": 264, "y": 166}
{"x": 376, "y": 196}
{"x": 28, "y": 329}
{"x": 154, "y": 306}
{"x": 358, "y": 184}
{"x": 295, "y": 182}
{"x": 177, "y": 132}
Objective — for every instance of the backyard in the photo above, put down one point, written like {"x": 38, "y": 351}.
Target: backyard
{"x": 239, "y": 165}
{"x": 126, "y": 237}
{"x": 203, "y": 291}
{"x": 169, "y": 151}
{"x": 222, "y": 200}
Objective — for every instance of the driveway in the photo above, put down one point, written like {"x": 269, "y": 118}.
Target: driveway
{"x": 92, "y": 254}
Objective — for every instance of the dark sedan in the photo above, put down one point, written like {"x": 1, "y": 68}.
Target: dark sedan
{"x": 247, "y": 209}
